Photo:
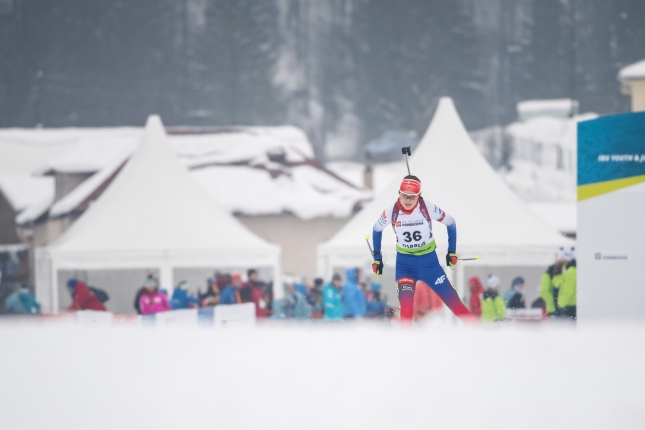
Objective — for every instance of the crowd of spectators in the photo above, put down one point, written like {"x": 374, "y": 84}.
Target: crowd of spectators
{"x": 557, "y": 292}
{"x": 337, "y": 299}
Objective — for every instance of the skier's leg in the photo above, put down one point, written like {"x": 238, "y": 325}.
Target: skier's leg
{"x": 405, "y": 282}
{"x": 405, "y": 288}
{"x": 436, "y": 279}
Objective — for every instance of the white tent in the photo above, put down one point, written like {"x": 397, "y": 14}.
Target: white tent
{"x": 153, "y": 215}
{"x": 492, "y": 221}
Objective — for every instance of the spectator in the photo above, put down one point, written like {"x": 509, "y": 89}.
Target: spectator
{"x": 181, "y": 297}
{"x": 137, "y": 299}
{"x": 567, "y": 295}
{"x": 82, "y": 298}
{"x": 140, "y": 292}
{"x": 333, "y": 299}
{"x": 301, "y": 307}
{"x": 493, "y": 308}
{"x": 283, "y": 308}
{"x": 315, "y": 298}
{"x": 551, "y": 282}
{"x": 222, "y": 280}
{"x": 153, "y": 301}
{"x": 301, "y": 287}
{"x": 476, "y": 289}
{"x": 254, "y": 291}
{"x": 231, "y": 294}
{"x": 514, "y": 298}
{"x": 21, "y": 302}
{"x": 212, "y": 295}
{"x": 354, "y": 302}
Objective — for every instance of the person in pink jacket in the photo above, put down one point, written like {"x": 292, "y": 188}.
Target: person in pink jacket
{"x": 153, "y": 301}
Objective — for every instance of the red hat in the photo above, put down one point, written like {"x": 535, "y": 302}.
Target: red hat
{"x": 410, "y": 186}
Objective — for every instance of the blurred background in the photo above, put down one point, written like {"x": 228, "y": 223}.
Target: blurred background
{"x": 309, "y": 101}
{"x": 202, "y": 166}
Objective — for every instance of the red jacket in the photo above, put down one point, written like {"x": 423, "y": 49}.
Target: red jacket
{"x": 476, "y": 288}
{"x": 84, "y": 299}
{"x": 254, "y": 292}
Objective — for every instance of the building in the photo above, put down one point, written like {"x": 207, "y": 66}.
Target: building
{"x": 632, "y": 80}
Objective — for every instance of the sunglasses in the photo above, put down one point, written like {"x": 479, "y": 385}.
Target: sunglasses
{"x": 408, "y": 196}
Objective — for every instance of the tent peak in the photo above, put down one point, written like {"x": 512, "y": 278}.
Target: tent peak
{"x": 154, "y": 123}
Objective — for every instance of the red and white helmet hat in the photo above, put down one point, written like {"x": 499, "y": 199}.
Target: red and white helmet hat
{"x": 410, "y": 187}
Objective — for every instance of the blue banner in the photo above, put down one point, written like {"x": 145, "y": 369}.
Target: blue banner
{"x": 611, "y": 153}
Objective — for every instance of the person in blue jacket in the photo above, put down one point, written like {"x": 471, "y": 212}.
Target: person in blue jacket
{"x": 181, "y": 298}
{"x": 333, "y": 299}
{"x": 354, "y": 302}
{"x": 22, "y": 301}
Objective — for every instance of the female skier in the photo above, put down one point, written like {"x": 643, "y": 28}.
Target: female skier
{"x": 416, "y": 260}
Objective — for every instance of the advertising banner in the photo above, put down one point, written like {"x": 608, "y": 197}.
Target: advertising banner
{"x": 611, "y": 217}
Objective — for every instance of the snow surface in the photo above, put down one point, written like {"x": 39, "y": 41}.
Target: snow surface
{"x": 323, "y": 376}
{"x": 632, "y": 72}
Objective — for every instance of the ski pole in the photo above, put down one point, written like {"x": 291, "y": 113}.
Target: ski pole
{"x": 476, "y": 257}
{"x": 367, "y": 239}
{"x": 406, "y": 151}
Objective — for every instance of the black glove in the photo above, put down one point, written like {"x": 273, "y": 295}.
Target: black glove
{"x": 451, "y": 260}
{"x": 377, "y": 265}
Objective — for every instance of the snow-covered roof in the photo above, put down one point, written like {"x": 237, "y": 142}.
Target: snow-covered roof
{"x": 20, "y": 156}
{"x": 543, "y": 129}
{"x": 71, "y": 150}
{"x": 273, "y": 168}
{"x": 89, "y": 150}
{"x": 28, "y": 195}
{"x": 632, "y": 72}
{"x": 559, "y": 108}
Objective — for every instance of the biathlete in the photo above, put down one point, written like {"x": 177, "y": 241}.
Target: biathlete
{"x": 416, "y": 260}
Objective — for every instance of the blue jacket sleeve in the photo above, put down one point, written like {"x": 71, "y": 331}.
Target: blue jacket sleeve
{"x": 452, "y": 237}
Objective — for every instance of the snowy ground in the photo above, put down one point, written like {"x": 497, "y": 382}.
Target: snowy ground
{"x": 323, "y": 377}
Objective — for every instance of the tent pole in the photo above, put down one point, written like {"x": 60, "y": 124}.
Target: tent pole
{"x": 166, "y": 280}
{"x": 278, "y": 291}
{"x": 54, "y": 286}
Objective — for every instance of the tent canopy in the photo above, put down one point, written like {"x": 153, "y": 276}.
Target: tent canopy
{"x": 154, "y": 214}
{"x": 492, "y": 221}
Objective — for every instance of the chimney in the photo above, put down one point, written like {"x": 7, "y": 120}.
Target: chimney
{"x": 368, "y": 174}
